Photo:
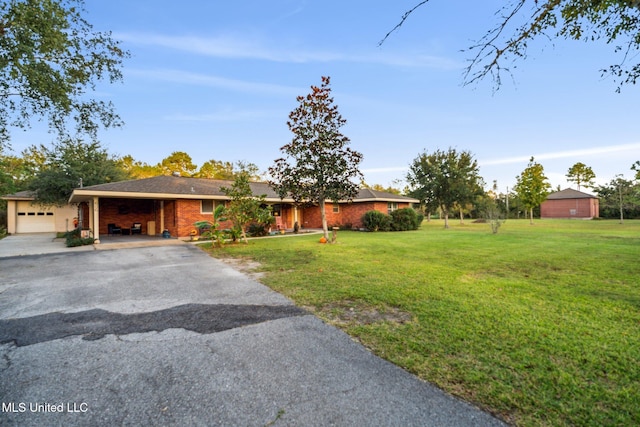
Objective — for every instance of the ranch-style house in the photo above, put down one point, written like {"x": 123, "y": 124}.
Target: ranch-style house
{"x": 173, "y": 204}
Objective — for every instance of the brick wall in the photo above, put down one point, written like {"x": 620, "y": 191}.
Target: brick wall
{"x": 124, "y": 212}
{"x": 187, "y": 214}
{"x": 570, "y": 208}
{"x": 170, "y": 219}
{"x": 349, "y": 213}
{"x": 352, "y": 212}
{"x": 180, "y": 215}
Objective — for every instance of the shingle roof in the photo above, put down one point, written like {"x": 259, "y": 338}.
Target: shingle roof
{"x": 365, "y": 194}
{"x": 570, "y": 194}
{"x": 183, "y": 187}
{"x": 20, "y": 195}
{"x": 177, "y": 186}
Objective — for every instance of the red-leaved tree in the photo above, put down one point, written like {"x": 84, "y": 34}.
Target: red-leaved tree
{"x": 318, "y": 164}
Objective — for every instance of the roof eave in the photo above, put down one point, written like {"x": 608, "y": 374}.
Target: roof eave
{"x": 382, "y": 199}
{"x": 80, "y": 195}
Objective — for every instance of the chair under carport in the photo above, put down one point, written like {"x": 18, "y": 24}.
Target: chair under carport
{"x": 136, "y": 228}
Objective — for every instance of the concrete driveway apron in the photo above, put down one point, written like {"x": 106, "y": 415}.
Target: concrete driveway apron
{"x": 170, "y": 336}
{"x": 35, "y": 244}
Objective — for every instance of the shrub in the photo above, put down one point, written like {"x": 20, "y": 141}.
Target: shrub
{"x": 79, "y": 241}
{"x": 73, "y": 239}
{"x": 376, "y": 221}
{"x": 405, "y": 219}
{"x": 258, "y": 230}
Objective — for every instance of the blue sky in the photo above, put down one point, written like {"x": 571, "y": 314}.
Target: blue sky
{"x": 218, "y": 80}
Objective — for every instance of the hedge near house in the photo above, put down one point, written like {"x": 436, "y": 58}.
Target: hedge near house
{"x": 376, "y": 221}
{"x": 405, "y": 219}
{"x": 399, "y": 220}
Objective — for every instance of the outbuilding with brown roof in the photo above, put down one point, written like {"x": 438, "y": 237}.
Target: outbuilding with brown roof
{"x": 570, "y": 203}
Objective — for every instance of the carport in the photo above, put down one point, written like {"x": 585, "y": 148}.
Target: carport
{"x": 104, "y": 209}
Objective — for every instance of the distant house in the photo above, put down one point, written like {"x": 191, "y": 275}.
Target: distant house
{"x": 570, "y": 203}
{"x": 176, "y": 203}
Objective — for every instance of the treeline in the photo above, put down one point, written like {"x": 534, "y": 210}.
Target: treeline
{"x": 53, "y": 172}
{"x": 620, "y": 198}
{"x": 446, "y": 182}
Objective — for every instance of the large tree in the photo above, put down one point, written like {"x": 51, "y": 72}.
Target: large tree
{"x": 178, "y": 162}
{"x": 619, "y": 198}
{"x": 446, "y": 179}
{"x": 14, "y": 174}
{"x": 581, "y": 174}
{"x": 318, "y": 164}
{"x": 217, "y": 169}
{"x": 137, "y": 169}
{"x": 636, "y": 168}
{"x": 616, "y": 22}
{"x": 71, "y": 164}
{"x": 50, "y": 58}
{"x": 532, "y": 186}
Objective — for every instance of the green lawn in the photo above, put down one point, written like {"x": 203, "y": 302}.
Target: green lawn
{"x": 537, "y": 324}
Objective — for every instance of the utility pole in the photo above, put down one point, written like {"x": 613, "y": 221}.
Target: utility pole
{"x": 507, "y": 201}
{"x": 620, "y": 197}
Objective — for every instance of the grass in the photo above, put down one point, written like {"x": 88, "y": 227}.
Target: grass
{"x": 539, "y": 324}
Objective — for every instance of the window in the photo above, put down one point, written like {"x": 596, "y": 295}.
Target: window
{"x": 392, "y": 206}
{"x": 208, "y": 206}
{"x": 336, "y": 208}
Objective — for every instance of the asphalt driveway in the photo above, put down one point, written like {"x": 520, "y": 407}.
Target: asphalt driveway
{"x": 170, "y": 336}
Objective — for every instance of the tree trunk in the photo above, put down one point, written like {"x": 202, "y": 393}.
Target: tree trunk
{"x": 531, "y": 216}
{"x": 323, "y": 214}
{"x": 446, "y": 217}
{"x": 461, "y": 217}
{"x": 621, "y": 210}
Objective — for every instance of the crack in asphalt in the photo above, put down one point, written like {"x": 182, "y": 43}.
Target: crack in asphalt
{"x": 96, "y": 323}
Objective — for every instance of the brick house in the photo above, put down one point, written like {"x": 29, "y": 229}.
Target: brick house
{"x": 175, "y": 203}
{"x": 570, "y": 203}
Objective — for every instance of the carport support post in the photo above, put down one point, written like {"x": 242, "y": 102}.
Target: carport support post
{"x": 96, "y": 219}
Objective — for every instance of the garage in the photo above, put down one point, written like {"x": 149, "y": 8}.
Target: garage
{"x": 32, "y": 218}
{"x": 25, "y": 216}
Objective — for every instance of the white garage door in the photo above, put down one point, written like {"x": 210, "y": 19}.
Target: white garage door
{"x": 34, "y": 219}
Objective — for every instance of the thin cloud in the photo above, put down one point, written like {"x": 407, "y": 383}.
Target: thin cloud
{"x": 225, "y": 116}
{"x": 198, "y": 79}
{"x": 294, "y": 12}
{"x": 583, "y": 152}
{"x": 232, "y": 47}
{"x": 221, "y": 47}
